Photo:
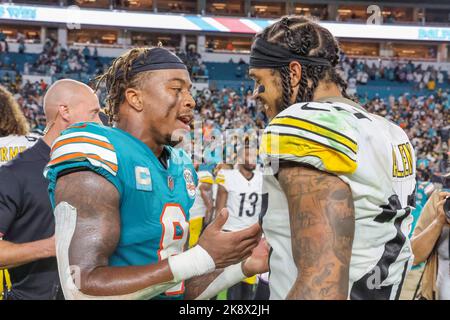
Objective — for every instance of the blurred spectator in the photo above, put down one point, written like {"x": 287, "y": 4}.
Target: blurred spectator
{"x": 431, "y": 85}
{"x": 3, "y": 43}
{"x": 86, "y": 53}
{"x": 230, "y": 46}
{"x": 21, "y": 41}
{"x": 239, "y": 71}
{"x": 430, "y": 244}
{"x": 210, "y": 46}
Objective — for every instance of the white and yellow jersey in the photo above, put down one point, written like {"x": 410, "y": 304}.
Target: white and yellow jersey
{"x": 375, "y": 158}
{"x": 244, "y": 202}
{"x": 11, "y": 146}
{"x": 198, "y": 209}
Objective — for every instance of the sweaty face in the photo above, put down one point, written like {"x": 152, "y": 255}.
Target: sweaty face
{"x": 271, "y": 98}
{"x": 168, "y": 105}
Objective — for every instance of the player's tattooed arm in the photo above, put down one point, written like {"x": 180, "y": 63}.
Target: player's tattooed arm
{"x": 322, "y": 228}
{"x": 96, "y": 236}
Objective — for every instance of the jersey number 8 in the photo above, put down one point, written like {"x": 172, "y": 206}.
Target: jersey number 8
{"x": 173, "y": 237}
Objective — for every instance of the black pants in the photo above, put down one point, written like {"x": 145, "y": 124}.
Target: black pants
{"x": 262, "y": 291}
{"x": 57, "y": 295}
{"x": 241, "y": 291}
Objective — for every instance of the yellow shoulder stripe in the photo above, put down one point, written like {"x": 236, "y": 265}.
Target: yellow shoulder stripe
{"x": 206, "y": 180}
{"x": 220, "y": 179}
{"x": 317, "y": 129}
{"x": 333, "y": 160}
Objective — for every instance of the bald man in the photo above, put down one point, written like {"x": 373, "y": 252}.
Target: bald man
{"x": 26, "y": 216}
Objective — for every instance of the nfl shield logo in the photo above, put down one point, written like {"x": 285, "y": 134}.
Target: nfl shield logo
{"x": 170, "y": 183}
{"x": 190, "y": 185}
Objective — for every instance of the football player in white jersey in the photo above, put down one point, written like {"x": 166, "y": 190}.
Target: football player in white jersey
{"x": 201, "y": 210}
{"x": 14, "y": 129}
{"x": 340, "y": 180}
{"x": 240, "y": 191}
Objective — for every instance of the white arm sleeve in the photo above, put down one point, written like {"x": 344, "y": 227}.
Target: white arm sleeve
{"x": 229, "y": 277}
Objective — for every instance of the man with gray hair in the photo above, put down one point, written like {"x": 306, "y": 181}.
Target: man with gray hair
{"x": 26, "y": 216}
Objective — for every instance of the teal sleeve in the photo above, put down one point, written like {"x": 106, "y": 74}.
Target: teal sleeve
{"x": 54, "y": 172}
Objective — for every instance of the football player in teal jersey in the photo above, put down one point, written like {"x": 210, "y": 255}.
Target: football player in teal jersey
{"x": 122, "y": 195}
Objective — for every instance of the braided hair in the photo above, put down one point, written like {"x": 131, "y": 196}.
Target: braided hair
{"x": 116, "y": 85}
{"x": 305, "y": 38}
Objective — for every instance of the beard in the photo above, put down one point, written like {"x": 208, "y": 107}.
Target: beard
{"x": 278, "y": 102}
{"x": 279, "y": 105}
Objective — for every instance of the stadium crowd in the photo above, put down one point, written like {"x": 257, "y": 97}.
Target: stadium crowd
{"x": 423, "y": 117}
{"x": 425, "y": 120}
{"x": 360, "y": 72}
{"x": 58, "y": 59}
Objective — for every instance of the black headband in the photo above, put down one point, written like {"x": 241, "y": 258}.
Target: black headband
{"x": 155, "y": 59}
{"x": 268, "y": 55}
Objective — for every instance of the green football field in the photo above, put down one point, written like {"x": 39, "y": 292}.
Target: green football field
{"x": 222, "y": 295}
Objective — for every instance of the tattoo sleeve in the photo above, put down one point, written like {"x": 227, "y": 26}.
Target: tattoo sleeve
{"x": 322, "y": 223}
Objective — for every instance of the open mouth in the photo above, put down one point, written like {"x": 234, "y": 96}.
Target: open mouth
{"x": 186, "y": 120}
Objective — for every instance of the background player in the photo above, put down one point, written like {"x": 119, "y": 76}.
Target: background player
{"x": 14, "y": 129}
{"x": 14, "y": 138}
{"x": 123, "y": 194}
{"x": 339, "y": 201}
{"x": 240, "y": 191}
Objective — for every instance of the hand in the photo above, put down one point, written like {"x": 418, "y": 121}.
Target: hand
{"x": 227, "y": 248}
{"x": 258, "y": 262}
{"x": 442, "y": 219}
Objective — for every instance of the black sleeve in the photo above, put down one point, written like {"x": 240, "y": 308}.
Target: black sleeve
{"x": 9, "y": 199}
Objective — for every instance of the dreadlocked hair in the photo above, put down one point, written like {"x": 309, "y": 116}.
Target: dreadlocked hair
{"x": 305, "y": 38}
{"x": 12, "y": 120}
{"x": 116, "y": 85}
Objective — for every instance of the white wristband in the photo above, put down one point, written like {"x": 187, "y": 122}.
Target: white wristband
{"x": 229, "y": 277}
{"x": 191, "y": 263}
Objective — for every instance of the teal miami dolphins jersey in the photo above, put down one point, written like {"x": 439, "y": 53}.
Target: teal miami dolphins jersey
{"x": 154, "y": 201}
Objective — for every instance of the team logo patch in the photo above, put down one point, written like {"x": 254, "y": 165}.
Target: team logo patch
{"x": 178, "y": 234}
{"x": 190, "y": 185}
